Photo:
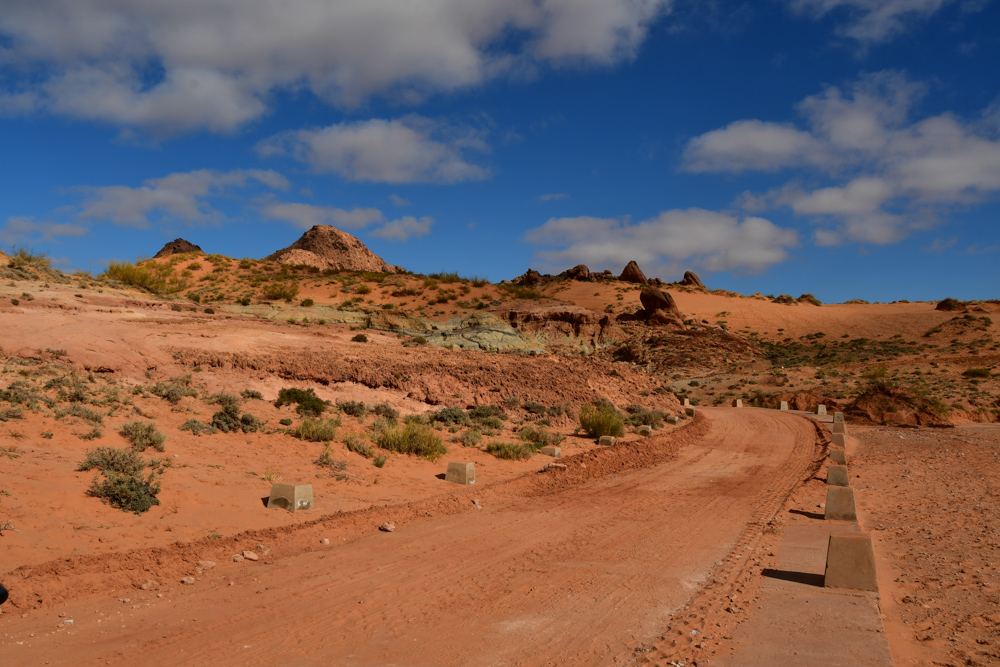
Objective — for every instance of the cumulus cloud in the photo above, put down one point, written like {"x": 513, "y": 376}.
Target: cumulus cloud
{"x": 181, "y": 196}
{"x": 175, "y": 66}
{"x": 674, "y": 239}
{"x": 305, "y": 216}
{"x": 404, "y": 150}
{"x": 871, "y": 21}
{"x": 28, "y": 230}
{"x": 405, "y": 228}
{"x": 887, "y": 172}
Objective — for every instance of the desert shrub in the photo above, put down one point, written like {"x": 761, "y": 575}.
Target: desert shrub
{"x": 317, "y": 430}
{"x": 950, "y": 304}
{"x": 306, "y": 303}
{"x": 93, "y": 434}
{"x": 494, "y": 423}
{"x": 281, "y": 291}
{"x": 11, "y": 413}
{"x": 126, "y": 492}
{"x": 540, "y": 437}
{"x": 359, "y": 446}
{"x": 222, "y": 399}
{"x": 285, "y": 422}
{"x": 639, "y": 416}
{"x": 809, "y": 298}
{"x": 111, "y": 459}
{"x": 534, "y": 408}
{"x": 385, "y": 410}
{"x": 983, "y": 373}
{"x": 136, "y": 276}
{"x": 379, "y": 461}
{"x": 480, "y": 412}
{"x": 22, "y": 257}
{"x": 143, "y": 435}
{"x": 561, "y": 409}
{"x": 419, "y": 340}
{"x": 601, "y": 419}
{"x": 229, "y": 420}
{"x": 197, "y": 428}
{"x": 449, "y": 416}
{"x": 519, "y": 292}
{"x": 470, "y": 438}
{"x": 353, "y": 408}
{"x": 307, "y": 402}
{"x": 512, "y": 451}
{"x": 417, "y": 439}
{"x": 174, "y": 390}
{"x": 248, "y": 394}
{"x": 786, "y": 299}
{"x": 512, "y": 402}
{"x": 86, "y": 414}
{"x": 359, "y": 338}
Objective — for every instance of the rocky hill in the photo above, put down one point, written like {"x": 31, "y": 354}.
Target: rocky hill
{"x": 177, "y": 247}
{"x": 327, "y": 247}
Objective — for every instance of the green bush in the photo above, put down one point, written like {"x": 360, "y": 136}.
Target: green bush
{"x": 512, "y": 451}
{"x": 353, "y": 408}
{"x": 317, "y": 430}
{"x": 223, "y": 399}
{"x": 449, "y": 416}
{"x": 470, "y": 438}
{"x": 481, "y": 412}
{"x": 11, "y": 413}
{"x": 249, "y": 394}
{"x": 143, "y": 435}
{"x": 983, "y": 373}
{"x": 386, "y": 410}
{"x": 174, "y": 391}
{"x": 359, "y": 446}
{"x": 490, "y": 422}
{"x": 639, "y": 416}
{"x": 281, "y": 291}
{"x": 197, "y": 428}
{"x": 379, "y": 461}
{"x": 126, "y": 492}
{"x": 534, "y": 408}
{"x": 360, "y": 338}
{"x": 285, "y": 422}
{"x": 307, "y": 402}
{"x": 540, "y": 437}
{"x": 229, "y": 420}
{"x": 111, "y": 459}
{"x": 86, "y": 414}
{"x": 416, "y": 439}
{"x": 603, "y": 419}
{"x": 306, "y": 303}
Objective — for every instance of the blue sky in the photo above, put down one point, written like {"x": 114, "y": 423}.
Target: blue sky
{"x": 847, "y": 148}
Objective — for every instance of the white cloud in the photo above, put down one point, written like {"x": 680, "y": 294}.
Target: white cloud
{"x": 405, "y": 150}
{"x": 871, "y": 21}
{"x": 405, "y": 228}
{"x": 181, "y": 196}
{"x": 174, "y": 66}
{"x": 398, "y": 201}
{"x": 674, "y": 239}
{"x": 887, "y": 173}
{"x": 305, "y": 216}
{"x": 27, "y": 230}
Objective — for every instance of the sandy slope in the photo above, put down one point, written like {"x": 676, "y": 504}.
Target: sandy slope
{"x": 578, "y": 566}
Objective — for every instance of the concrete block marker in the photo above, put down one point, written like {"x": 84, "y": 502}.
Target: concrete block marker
{"x": 840, "y": 427}
{"x": 606, "y": 441}
{"x": 850, "y": 563}
{"x": 838, "y": 456}
{"x": 554, "y": 452}
{"x": 840, "y": 504}
{"x": 837, "y": 476}
{"x": 784, "y": 405}
{"x": 291, "y": 497}
{"x": 687, "y": 402}
{"x": 738, "y": 403}
{"x": 673, "y": 420}
{"x": 460, "y": 472}
{"x": 840, "y": 439}
{"x": 689, "y": 412}
{"x": 838, "y": 417}
{"x": 645, "y": 430}
{"x": 821, "y": 409}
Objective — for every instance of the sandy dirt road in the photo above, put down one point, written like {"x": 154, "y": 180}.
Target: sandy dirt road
{"x": 556, "y": 574}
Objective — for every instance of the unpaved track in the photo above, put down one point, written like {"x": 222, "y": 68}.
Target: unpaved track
{"x": 581, "y": 576}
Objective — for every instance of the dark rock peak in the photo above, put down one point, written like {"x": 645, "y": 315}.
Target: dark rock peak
{"x": 178, "y": 247}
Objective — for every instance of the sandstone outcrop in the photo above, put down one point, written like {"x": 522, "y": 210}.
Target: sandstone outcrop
{"x": 633, "y": 274}
{"x": 327, "y": 247}
{"x": 177, "y": 247}
{"x": 691, "y": 279}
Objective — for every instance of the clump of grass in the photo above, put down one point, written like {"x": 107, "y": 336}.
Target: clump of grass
{"x": 602, "y": 419}
{"x": 359, "y": 338}
{"x": 317, "y": 430}
{"x": 143, "y": 435}
{"x": 481, "y": 412}
{"x": 11, "y": 413}
{"x": 470, "y": 438}
{"x": 786, "y": 299}
{"x": 511, "y": 451}
{"x": 981, "y": 373}
{"x": 93, "y": 434}
{"x": 174, "y": 390}
{"x": 308, "y": 404}
{"x": 385, "y": 410}
{"x": 539, "y": 437}
{"x": 121, "y": 461}
{"x": 281, "y": 291}
{"x": 252, "y": 394}
{"x": 306, "y": 303}
{"x": 86, "y": 414}
{"x": 519, "y": 292}
{"x": 417, "y": 439}
{"x": 359, "y": 446}
{"x": 809, "y": 298}
{"x": 639, "y": 416}
{"x": 379, "y": 461}
{"x": 197, "y": 428}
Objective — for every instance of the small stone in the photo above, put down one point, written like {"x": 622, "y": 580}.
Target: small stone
{"x": 387, "y": 527}
{"x": 206, "y": 564}
{"x": 188, "y": 581}
{"x": 262, "y": 550}
{"x": 237, "y": 558}
{"x": 324, "y": 541}
{"x": 249, "y": 555}
{"x": 68, "y": 621}
{"x": 149, "y": 585}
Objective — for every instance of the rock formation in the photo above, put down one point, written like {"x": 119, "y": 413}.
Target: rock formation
{"x": 633, "y": 274}
{"x": 660, "y": 307}
{"x": 578, "y": 272}
{"x": 529, "y": 279}
{"x": 178, "y": 247}
{"x": 327, "y": 247}
{"x": 691, "y": 279}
